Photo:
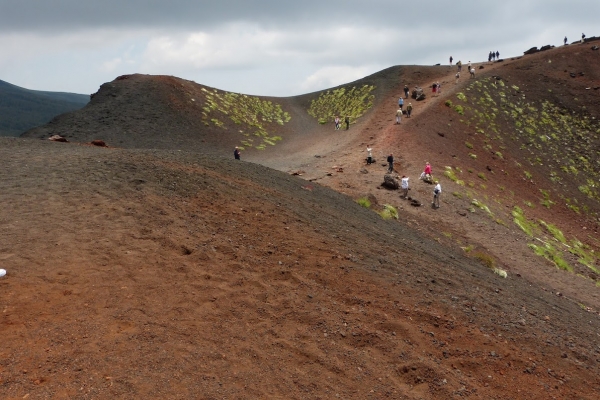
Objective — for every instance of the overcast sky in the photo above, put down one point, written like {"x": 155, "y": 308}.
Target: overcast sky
{"x": 268, "y": 47}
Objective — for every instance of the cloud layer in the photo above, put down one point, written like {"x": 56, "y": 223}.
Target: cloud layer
{"x": 265, "y": 47}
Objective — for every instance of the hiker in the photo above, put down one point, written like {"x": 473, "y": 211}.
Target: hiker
{"x": 400, "y": 102}
{"x": 469, "y": 66}
{"x": 450, "y": 60}
{"x": 404, "y": 186}
{"x": 406, "y": 91}
{"x": 236, "y": 153}
{"x": 408, "y": 110}
{"x": 437, "y": 190}
{"x": 337, "y": 123}
{"x": 439, "y": 88}
{"x": 426, "y": 171}
{"x": 459, "y": 65}
{"x": 472, "y": 71}
{"x": 390, "y": 161}
{"x": 347, "y": 121}
{"x": 399, "y": 116}
{"x": 582, "y": 37}
{"x": 369, "y": 155}
{"x": 434, "y": 89}
{"x": 565, "y": 41}
{"x": 497, "y": 55}
{"x": 457, "y": 76}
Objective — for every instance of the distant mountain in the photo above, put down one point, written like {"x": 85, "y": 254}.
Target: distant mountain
{"x": 22, "y": 109}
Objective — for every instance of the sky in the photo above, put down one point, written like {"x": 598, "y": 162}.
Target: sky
{"x": 267, "y": 47}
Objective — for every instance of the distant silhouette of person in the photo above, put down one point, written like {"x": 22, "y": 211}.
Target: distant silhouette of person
{"x": 408, "y": 110}
{"x": 451, "y": 60}
{"x": 236, "y": 153}
{"x": 390, "y": 161}
{"x": 469, "y": 66}
{"x": 489, "y": 56}
{"x": 347, "y": 121}
{"x": 439, "y": 88}
{"x": 434, "y": 89}
{"x": 406, "y": 90}
{"x": 457, "y": 76}
{"x": 497, "y": 55}
{"x": 582, "y": 37}
{"x": 565, "y": 40}
{"x": 459, "y": 65}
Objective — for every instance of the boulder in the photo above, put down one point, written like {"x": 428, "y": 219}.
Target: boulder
{"x": 546, "y": 47}
{"x": 390, "y": 182}
{"x": 418, "y": 93}
{"x": 99, "y": 143}
{"x": 531, "y": 50}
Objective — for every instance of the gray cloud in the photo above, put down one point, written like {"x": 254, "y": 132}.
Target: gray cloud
{"x": 265, "y": 47}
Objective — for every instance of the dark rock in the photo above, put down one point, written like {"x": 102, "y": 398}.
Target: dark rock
{"x": 594, "y": 47}
{"x": 415, "y": 203}
{"x": 546, "y": 47}
{"x": 481, "y": 67}
{"x": 390, "y": 182}
{"x": 99, "y": 143}
{"x": 531, "y": 50}
{"x": 418, "y": 93}
{"x": 441, "y": 134}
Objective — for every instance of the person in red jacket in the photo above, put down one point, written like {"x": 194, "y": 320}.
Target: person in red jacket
{"x": 426, "y": 171}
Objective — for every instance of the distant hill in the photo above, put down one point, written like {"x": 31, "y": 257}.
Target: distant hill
{"x": 22, "y": 109}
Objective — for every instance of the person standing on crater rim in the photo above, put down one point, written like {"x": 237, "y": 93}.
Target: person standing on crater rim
{"x": 236, "y": 153}
{"x": 565, "y": 41}
{"x": 451, "y": 60}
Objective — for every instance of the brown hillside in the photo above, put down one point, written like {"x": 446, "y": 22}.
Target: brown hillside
{"x": 161, "y": 268}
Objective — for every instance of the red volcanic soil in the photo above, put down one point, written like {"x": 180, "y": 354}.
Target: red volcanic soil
{"x": 160, "y": 267}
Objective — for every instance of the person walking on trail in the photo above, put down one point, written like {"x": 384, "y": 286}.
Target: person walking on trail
{"x": 459, "y": 66}
{"x": 457, "y": 76}
{"x": 406, "y": 91}
{"x": 400, "y": 103}
{"x": 497, "y": 55}
{"x": 404, "y": 186}
{"x": 472, "y": 71}
{"x": 451, "y": 60}
{"x": 347, "y": 121}
{"x": 408, "y": 110}
{"x": 434, "y": 89}
{"x": 439, "y": 88}
{"x": 399, "y": 116}
{"x": 437, "y": 190}
{"x": 390, "y": 161}
{"x": 369, "y": 155}
{"x": 236, "y": 153}
{"x": 469, "y": 66}
{"x": 337, "y": 123}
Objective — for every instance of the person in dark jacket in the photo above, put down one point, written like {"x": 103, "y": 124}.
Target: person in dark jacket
{"x": 236, "y": 153}
{"x": 390, "y": 161}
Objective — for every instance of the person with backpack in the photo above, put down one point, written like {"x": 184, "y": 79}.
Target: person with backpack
{"x": 408, "y": 110}
{"x": 406, "y": 91}
{"x": 390, "y": 161}
{"x": 236, "y": 153}
{"x": 347, "y": 121}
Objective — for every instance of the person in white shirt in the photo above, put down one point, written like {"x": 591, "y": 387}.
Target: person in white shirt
{"x": 437, "y": 190}
{"x": 369, "y": 155}
{"x": 404, "y": 186}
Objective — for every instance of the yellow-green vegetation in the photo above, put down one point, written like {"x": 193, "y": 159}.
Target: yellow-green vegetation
{"x": 468, "y": 248}
{"x": 481, "y": 175}
{"x": 522, "y": 222}
{"x": 254, "y": 114}
{"x": 566, "y": 139}
{"x": 389, "y": 212}
{"x": 451, "y": 174}
{"x": 469, "y": 145}
{"x": 459, "y": 109}
{"x": 365, "y": 202}
{"x": 546, "y": 202}
{"x": 486, "y": 259}
{"x": 448, "y": 103}
{"x": 550, "y": 253}
{"x": 481, "y": 206}
{"x": 473, "y": 156}
{"x": 353, "y": 102}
